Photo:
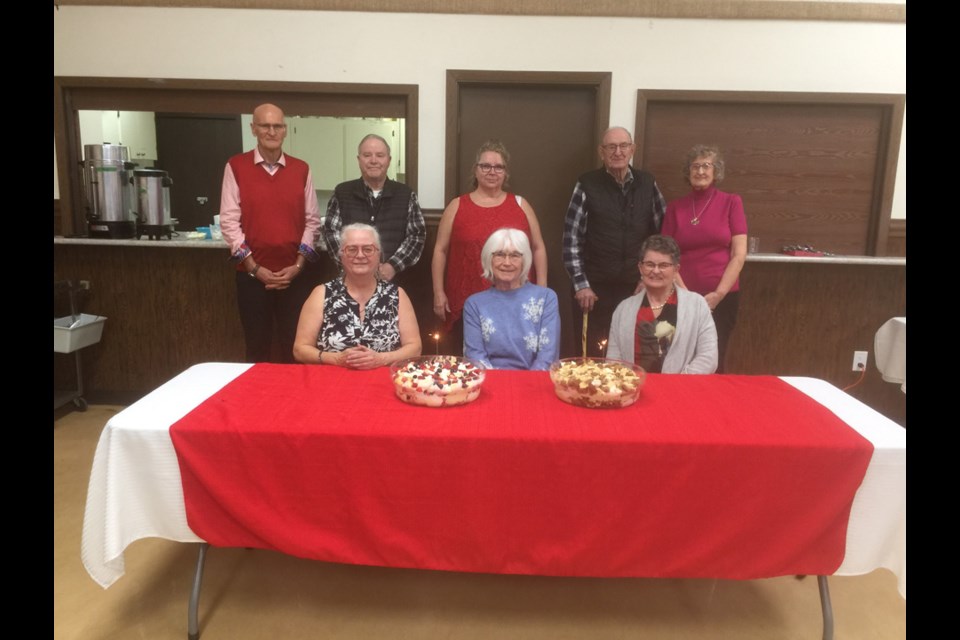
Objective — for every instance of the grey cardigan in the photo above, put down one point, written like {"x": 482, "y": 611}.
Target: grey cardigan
{"x": 694, "y": 346}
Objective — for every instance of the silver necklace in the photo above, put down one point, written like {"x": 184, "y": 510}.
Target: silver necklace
{"x": 695, "y": 220}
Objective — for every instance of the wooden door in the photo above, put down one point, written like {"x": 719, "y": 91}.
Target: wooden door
{"x": 550, "y": 124}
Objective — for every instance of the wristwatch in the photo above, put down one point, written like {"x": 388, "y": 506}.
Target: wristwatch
{"x": 253, "y": 272}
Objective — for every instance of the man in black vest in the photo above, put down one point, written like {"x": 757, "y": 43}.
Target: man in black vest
{"x": 612, "y": 211}
{"x": 377, "y": 200}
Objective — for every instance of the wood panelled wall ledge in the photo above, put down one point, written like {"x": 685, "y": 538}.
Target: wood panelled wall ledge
{"x": 172, "y": 304}
{"x": 729, "y": 9}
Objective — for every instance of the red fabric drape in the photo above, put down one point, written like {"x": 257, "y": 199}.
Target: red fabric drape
{"x": 705, "y": 476}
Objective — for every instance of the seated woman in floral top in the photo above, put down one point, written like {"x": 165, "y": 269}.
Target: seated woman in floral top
{"x": 664, "y": 328}
{"x": 357, "y": 320}
{"x": 514, "y": 324}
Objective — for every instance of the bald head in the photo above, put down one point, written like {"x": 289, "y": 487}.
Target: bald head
{"x": 270, "y": 130}
{"x": 267, "y": 109}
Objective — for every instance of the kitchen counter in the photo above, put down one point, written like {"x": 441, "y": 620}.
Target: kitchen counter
{"x": 220, "y": 244}
{"x": 177, "y": 242}
{"x": 871, "y": 260}
{"x": 171, "y": 305}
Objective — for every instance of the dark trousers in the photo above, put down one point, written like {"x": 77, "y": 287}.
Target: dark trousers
{"x": 725, "y": 317}
{"x": 265, "y": 312}
{"x": 609, "y": 295}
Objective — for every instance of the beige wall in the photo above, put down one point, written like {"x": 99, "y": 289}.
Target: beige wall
{"x": 321, "y": 46}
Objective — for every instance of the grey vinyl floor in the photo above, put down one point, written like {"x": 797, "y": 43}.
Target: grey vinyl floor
{"x": 250, "y": 595}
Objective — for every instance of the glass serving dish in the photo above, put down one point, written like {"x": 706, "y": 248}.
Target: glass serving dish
{"x": 597, "y": 383}
{"x": 437, "y": 381}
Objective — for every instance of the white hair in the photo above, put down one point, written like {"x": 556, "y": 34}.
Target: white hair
{"x": 500, "y": 240}
{"x": 359, "y": 226}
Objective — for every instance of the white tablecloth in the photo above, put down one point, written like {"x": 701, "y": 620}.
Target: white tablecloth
{"x": 890, "y": 347}
{"x": 135, "y": 487}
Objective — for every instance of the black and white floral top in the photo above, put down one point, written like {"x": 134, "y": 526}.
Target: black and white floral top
{"x": 342, "y": 328}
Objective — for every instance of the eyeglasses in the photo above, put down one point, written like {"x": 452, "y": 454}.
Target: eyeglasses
{"x": 487, "y": 168}
{"x": 613, "y": 146}
{"x": 507, "y": 255}
{"x": 367, "y": 249}
{"x": 663, "y": 266}
{"x": 696, "y": 166}
{"x": 276, "y": 128}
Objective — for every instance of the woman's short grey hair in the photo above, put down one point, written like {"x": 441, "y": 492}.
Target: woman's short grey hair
{"x": 698, "y": 150}
{"x": 502, "y": 240}
{"x": 661, "y": 244}
{"x": 359, "y": 226}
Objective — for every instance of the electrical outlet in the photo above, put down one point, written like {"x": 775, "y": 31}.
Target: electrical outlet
{"x": 859, "y": 360}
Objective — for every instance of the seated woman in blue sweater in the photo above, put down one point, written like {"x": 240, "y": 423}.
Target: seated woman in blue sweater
{"x": 514, "y": 324}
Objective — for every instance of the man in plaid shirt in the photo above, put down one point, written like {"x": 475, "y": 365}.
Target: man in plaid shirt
{"x": 376, "y": 200}
{"x": 612, "y": 211}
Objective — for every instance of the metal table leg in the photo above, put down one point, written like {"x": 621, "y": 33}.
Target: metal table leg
{"x": 193, "y": 619}
{"x": 826, "y": 607}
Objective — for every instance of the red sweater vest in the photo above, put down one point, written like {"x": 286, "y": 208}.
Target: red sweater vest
{"x": 272, "y": 209}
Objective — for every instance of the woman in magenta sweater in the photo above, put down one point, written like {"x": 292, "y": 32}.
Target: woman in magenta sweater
{"x": 711, "y": 229}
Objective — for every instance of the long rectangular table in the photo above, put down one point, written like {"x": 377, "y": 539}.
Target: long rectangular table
{"x": 136, "y": 486}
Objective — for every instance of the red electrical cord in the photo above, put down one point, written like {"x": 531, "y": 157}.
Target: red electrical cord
{"x": 863, "y": 374}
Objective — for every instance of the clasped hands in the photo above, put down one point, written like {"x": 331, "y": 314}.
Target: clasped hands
{"x": 277, "y": 279}
{"x": 359, "y": 357}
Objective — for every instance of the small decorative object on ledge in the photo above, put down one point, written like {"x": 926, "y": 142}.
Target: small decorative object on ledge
{"x": 803, "y": 250}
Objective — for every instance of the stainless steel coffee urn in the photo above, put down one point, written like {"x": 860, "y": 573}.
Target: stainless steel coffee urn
{"x": 152, "y": 187}
{"x": 111, "y": 205}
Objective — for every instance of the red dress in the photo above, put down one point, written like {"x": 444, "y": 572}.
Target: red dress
{"x": 471, "y": 228}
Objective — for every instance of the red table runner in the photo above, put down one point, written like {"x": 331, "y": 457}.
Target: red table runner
{"x": 705, "y": 476}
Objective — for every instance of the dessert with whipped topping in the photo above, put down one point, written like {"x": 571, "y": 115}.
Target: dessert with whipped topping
{"x": 438, "y": 381}
{"x": 597, "y": 383}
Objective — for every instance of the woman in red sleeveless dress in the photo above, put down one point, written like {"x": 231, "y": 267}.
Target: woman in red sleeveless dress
{"x": 466, "y": 224}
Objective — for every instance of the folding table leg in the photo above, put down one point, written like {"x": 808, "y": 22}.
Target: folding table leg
{"x": 193, "y": 620}
{"x": 827, "y": 608}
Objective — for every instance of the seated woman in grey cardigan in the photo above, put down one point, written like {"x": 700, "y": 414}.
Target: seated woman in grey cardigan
{"x": 664, "y": 328}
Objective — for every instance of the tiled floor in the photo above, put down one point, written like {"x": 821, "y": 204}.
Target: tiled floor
{"x": 258, "y": 594}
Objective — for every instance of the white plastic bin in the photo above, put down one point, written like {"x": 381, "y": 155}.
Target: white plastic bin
{"x": 70, "y": 335}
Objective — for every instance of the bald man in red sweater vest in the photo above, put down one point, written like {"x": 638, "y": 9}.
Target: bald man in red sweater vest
{"x": 270, "y": 220}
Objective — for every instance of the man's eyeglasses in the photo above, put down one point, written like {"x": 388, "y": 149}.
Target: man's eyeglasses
{"x": 276, "y": 128}
{"x": 507, "y": 255}
{"x": 367, "y": 250}
{"x": 487, "y": 168}
{"x": 663, "y": 266}
{"x": 696, "y": 166}
{"x": 613, "y": 146}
